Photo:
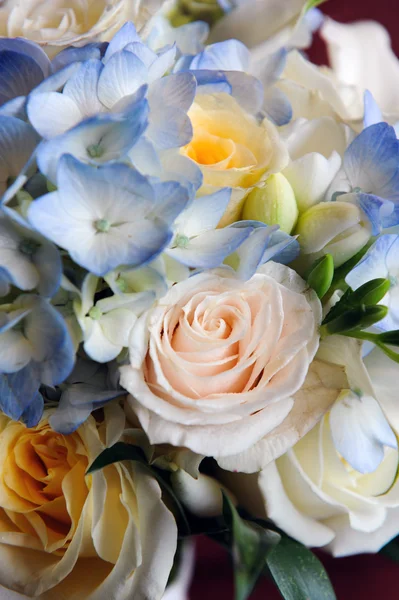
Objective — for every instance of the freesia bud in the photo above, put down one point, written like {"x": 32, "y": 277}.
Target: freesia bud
{"x": 274, "y": 203}
{"x": 321, "y": 275}
{"x": 355, "y": 320}
{"x": 371, "y": 292}
{"x": 390, "y": 337}
{"x": 337, "y": 228}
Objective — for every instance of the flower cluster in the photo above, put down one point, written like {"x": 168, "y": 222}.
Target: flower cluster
{"x": 199, "y": 257}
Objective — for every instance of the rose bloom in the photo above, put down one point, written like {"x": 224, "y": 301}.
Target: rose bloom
{"x": 232, "y": 148}
{"x": 68, "y": 535}
{"x": 218, "y": 364}
{"x": 316, "y": 496}
{"x": 56, "y": 24}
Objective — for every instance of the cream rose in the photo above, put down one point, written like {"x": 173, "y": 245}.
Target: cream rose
{"x": 232, "y": 148}
{"x": 68, "y": 535}
{"x": 217, "y": 365}
{"x": 315, "y": 495}
{"x": 56, "y": 24}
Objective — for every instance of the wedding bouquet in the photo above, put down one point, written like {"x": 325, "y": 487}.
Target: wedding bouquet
{"x": 199, "y": 316}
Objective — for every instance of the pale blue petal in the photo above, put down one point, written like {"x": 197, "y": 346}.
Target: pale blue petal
{"x": 371, "y": 162}
{"x": 360, "y": 431}
{"x": 18, "y": 391}
{"x": 5, "y": 282}
{"x": 203, "y": 214}
{"x": 76, "y": 404}
{"x": 19, "y": 74}
{"x": 171, "y": 199}
{"x": 142, "y": 52}
{"x": 145, "y": 158}
{"x": 56, "y": 82}
{"x": 48, "y": 262}
{"x": 122, "y": 76}
{"x": 247, "y": 90}
{"x": 209, "y": 249}
{"x": 33, "y": 413}
{"x": 15, "y": 108}
{"x": 231, "y": 55}
{"x": 82, "y": 87}
{"x": 52, "y": 113}
{"x": 29, "y": 49}
{"x": 182, "y": 169}
{"x": 163, "y": 64}
{"x": 126, "y": 35}
{"x": 372, "y": 112}
{"x": 8, "y": 321}
{"x": 18, "y": 141}
{"x": 177, "y": 90}
{"x": 53, "y": 348}
{"x": 73, "y": 55}
{"x": 272, "y": 67}
{"x": 249, "y": 255}
{"x": 169, "y": 128}
{"x": 371, "y": 206}
{"x": 282, "y": 248}
{"x": 277, "y": 106}
{"x": 373, "y": 265}
{"x": 212, "y": 82}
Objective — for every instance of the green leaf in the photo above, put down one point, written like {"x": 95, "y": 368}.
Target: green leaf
{"x": 371, "y": 292}
{"x": 354, "y": 320}
{"x": 251, "y": 544}
{"x": 298, "y": 573}
{"x": 321, "y": 275}
{"x": 390, "y": 337}
{"x": 312, "y": 4}
{"x": 121, "y": 451}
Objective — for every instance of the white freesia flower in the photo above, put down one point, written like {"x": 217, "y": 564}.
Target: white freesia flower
{"x": 316, "y": 148}
{"x": 217, "y": 366}
{"x": 94, "y": 537}
{"x": 339, "y": 499}
{"x": 56, "y": 24}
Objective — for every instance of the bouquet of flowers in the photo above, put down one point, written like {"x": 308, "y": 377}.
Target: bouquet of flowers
{"x": 199, "y": 295}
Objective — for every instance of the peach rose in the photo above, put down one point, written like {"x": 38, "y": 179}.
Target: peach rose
{"x": 232, "y": 148}
{"x": 56, "y": 24}
{"x": 217, "y": 364}
{"x": 73, "y": 536}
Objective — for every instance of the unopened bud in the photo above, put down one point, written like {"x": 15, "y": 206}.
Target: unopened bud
{"x": 274, "y": 203}
{"x": 321, "y": 275}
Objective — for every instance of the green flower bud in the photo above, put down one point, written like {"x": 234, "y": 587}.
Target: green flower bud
{"x": 354, "y": 320}
{"x": 336, "y": 228}
{"x": 321, "y": 275}
{"x": 390, "y": 337}
{"x": 371, "y": 292}
{"x": 274, "y": 203}
{"x": 187, "y": 11}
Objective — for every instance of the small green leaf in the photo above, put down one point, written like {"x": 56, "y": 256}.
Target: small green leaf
{"x": 390, "y": 337}
{"x": 354, "y": 320}
{"x": 298, "y": 573}
{"x": 321, "y": 275}
{"x": 121, "y": 451}
{"x": 251, "y": 544}
{"x": 371, "y": 292}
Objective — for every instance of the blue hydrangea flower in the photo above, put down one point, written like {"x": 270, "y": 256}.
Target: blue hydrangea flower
{"x": 370, "y": 173}
{"x": 35, "y": 348}
{"x": 27, "y": 260}
{"x": 108, "y": 216}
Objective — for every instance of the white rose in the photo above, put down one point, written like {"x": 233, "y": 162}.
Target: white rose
{"x": 314, "y": 494}
{"x": 56, "y": 24}
{"x": 217, "y": 366}
{"x": 72, "y": 536}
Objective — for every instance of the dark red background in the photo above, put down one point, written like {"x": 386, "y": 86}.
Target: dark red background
{"x": 364, "y": 577}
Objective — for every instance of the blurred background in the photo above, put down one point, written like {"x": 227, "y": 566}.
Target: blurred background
{"x": 367, "y": 577}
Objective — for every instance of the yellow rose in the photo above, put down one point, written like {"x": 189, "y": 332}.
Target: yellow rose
{"x": 70, "y": 536}
{"x": 232, "y": 148}
{"x": 56, "y": 24}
